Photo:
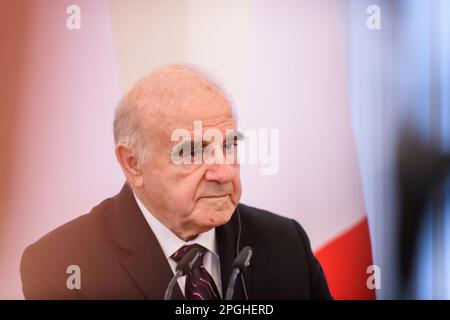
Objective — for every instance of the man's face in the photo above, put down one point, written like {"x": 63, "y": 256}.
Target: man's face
{"x": 194, "y": 197}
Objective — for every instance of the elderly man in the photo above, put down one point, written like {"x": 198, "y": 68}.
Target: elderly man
{"x": 128, "y": 246}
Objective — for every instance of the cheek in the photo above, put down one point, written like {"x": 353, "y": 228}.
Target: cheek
{"x": 237, "y": 188}
{"x": 213, "y": 214}
{"x": 182, "y": 199}
{"x": 181, "y": 195}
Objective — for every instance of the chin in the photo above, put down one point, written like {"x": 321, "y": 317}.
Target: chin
{"x": 220, "y": 218}
{"x": 213, "y": 213}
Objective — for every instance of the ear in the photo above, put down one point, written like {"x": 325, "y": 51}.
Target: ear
{"x": 130, "y": 164}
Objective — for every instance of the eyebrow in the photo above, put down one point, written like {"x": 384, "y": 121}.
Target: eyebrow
{"x": 236, "y": 135}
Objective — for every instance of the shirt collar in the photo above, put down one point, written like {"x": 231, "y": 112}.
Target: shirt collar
{"x": 169, "y": 241}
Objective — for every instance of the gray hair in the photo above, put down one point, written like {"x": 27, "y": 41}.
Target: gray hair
{"x": 127, "y": 128}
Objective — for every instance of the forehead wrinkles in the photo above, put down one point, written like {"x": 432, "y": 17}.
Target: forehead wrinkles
{"x": 174, "y": 94}
{"x": 166, "y": 104}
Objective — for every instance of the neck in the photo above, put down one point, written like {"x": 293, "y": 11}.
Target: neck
{"x": 188, "y": 238}
{"x": 183, "y": 234}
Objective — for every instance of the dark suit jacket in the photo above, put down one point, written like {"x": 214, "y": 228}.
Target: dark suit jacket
{"x": 120, "y": 258}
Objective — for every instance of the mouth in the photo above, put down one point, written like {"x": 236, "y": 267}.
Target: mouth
{"x": 215, "y": 197}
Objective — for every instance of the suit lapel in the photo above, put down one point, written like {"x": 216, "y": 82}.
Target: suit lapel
{"x": 226, "y": 240}
{"x": 146, "y": 263}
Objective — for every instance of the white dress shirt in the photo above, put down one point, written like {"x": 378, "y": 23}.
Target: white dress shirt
{"x": 170, "y": 243}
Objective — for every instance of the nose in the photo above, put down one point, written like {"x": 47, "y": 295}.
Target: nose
{"x": 220, "y": 173}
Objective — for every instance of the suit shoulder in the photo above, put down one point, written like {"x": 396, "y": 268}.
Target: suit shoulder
{"x": 269, "y": 225}
{"x": 260, "y": 216}
{"x": 76, "y": 232}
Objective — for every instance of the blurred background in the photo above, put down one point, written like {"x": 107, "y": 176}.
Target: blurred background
{"x": 359, "y": 91}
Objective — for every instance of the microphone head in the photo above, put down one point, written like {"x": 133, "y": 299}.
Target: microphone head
{"x": 185, "y": 265}
{"x": 242, "y": 261}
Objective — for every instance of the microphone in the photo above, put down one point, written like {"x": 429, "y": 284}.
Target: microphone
{"x": 239, "y": 265}
{"x": 183, "y": 267}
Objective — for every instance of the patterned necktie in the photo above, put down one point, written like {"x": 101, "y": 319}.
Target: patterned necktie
{"x": 199, "y": 283}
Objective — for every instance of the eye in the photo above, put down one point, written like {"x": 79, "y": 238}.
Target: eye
{"x": 181, "y": 153}
{"x": 195, "y": 151}
{"x": 184, "y": 153}
{"x": 231, "y": 145}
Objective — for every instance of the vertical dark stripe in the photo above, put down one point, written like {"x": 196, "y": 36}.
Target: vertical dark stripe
{"x": 14, "y": 17}
{"x": 437, "y": 197}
